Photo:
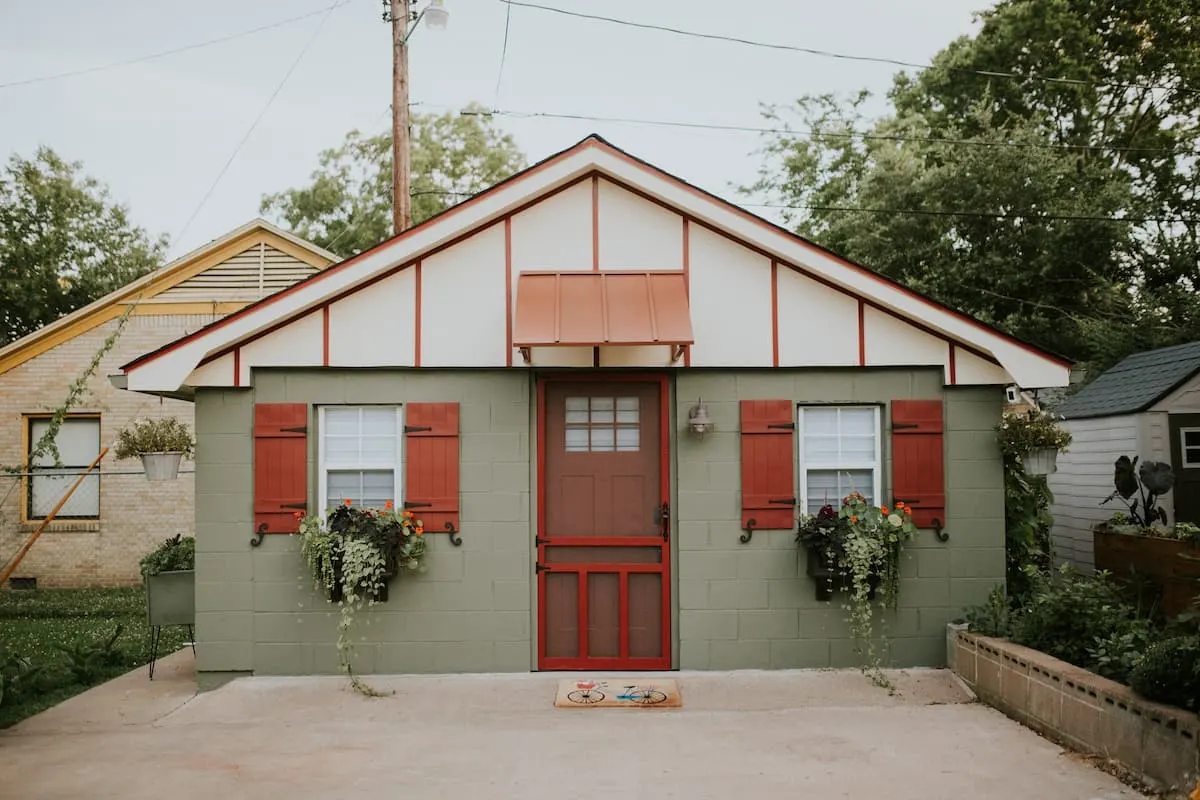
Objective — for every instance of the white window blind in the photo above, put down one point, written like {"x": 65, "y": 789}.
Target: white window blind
{"x": 360, "y": 455}
{"x": 78, "y": 443}
{"x": 839, "y": 453}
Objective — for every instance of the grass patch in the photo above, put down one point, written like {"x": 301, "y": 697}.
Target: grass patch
{"x": 39, "y": 625}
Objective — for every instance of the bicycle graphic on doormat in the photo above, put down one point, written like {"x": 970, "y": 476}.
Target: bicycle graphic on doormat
{"x": 591, "y": 692}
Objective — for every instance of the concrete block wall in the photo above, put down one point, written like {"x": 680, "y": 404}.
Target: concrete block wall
{"x": 753, "y": 605}
{"x": 256, "y": 608}
{"x": 134, "y": 514}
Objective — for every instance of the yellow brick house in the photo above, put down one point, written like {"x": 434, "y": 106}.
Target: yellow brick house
{"x": 116, "y": 515}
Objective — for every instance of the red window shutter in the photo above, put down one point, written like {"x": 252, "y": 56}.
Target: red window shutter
{"x": 280, "y": 466}
{"x": 431, "y": 464}
{"x": 768, "y": 464}
{"x": 918, "y": 471}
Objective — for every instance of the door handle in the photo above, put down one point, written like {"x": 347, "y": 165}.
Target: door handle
{"x": 662, "y": 518}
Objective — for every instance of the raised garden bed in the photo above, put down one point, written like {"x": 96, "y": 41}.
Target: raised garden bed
{"x": 1171, "y": 567}
{"x": 1080, "y": 709}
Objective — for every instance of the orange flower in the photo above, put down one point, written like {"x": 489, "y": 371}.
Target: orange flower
{"x": 346, "y": 502}
{"x": 853, "y": 518}
{"x": 907, "y": 510}
{"x": 388, "y": 504}
{"x": 298, "y": 514}
{"x": 884, "y": 509}
{"x": 408, "y": 514}
{"x": 419, "y": 530}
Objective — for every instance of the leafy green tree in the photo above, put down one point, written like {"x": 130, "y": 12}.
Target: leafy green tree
{"x": 347, "y": 208}
{"x": 63, "y": 243}
{"x": 1113, "y": 132}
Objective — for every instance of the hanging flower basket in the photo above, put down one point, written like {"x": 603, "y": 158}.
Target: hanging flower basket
{"x": 1042, "y": 461}
{"x": 161, "y": 466}
{"x": 160, "y": 443}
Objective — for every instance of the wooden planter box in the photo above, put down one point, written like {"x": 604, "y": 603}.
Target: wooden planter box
{"x": 171, "y": 598}
{"x": 830, "y": 580}
{"x": 1170, "y": 566}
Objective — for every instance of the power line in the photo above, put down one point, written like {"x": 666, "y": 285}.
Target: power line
{"x": 503, "y": 53}
{"x": 270, "y": 100}
{"x": 173, "y": 51}
{"x": 831, "y": 54}
{"x": 819, "y": 133}
{"x": 1008, "y": 215}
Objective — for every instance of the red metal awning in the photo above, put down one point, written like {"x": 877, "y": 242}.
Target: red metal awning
{"x": 601, "y": 308}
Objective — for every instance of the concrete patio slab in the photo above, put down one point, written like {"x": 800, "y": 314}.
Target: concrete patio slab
{"x": 817, "y": 734}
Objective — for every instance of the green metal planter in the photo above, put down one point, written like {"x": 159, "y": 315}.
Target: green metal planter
{"x": 171, "y": 598}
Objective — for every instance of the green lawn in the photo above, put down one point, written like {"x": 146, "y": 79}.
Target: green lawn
{"x": 37, "y": 626}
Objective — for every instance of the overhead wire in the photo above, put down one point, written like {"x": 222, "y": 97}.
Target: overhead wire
{"x": 842, "y": 56}
{"x": 254, "y": 125}
{"x": 503, "y": 54}
{"x": 173, "y": 51}
{"x": 819, "y": 133}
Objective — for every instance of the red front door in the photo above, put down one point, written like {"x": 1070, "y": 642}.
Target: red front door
{"x": 604, "y": 526}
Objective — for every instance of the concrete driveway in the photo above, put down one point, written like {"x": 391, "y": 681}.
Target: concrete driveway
{"x": 742, "y": 736}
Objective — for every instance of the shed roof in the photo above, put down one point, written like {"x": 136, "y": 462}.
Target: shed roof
{"x": 1136, "y": 383}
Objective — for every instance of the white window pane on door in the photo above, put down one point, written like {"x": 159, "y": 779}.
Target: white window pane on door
{"x": 577, "y": 440}
{"x": 627, "y": 410}
{"x": 78, "y": 442}
{"x": 857, "y": 422}
{"x": 821, "y": 421}
{"x": 603, "y": 440}
{"x": 577, "y": 410}
{"x": 378, "y": 487}
{"x": 602, "y": 410}
{"x": 1191, "y": 438}
{"x": 47, "y": 490}
{"x": 1191, "y": 456}
{"x": 341, "y": 421}
{"x": 628, "y": 439}
{"x": 858, "y": 449}
{"x": 379, "y": 421}
{"x": 820, "y": 448}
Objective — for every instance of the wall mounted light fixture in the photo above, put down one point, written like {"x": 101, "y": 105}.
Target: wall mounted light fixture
{"x": 699, "y": 422}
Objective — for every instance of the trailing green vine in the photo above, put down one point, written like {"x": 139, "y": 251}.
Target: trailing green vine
{"x": 352, "y": 553}
{"x": 861, "y": 545}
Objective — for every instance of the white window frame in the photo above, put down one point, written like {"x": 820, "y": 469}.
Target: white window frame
{"x": 803, "y": 467}
{"x": 71, "y": 470}
{"x": 1183, "y": 449}
{"x": 397, "y": 466}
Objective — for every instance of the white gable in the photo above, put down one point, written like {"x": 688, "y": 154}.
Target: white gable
{"x": 444, "y": 293}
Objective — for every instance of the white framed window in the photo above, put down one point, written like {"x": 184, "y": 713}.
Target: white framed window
{"x": 1189, "y": 447}
{"x": 602, "y": 425}
{"x": 360, "y": 455}
{"x": 840, "y": 452}
{"x": 78, "y": 443}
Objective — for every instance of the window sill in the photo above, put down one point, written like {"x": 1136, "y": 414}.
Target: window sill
{"x": 64, "y": 526}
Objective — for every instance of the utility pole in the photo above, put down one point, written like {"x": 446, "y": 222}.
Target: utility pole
{"x": 401, "y": 166}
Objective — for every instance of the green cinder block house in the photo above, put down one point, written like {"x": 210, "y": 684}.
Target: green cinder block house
{"x": 532, "y": 369}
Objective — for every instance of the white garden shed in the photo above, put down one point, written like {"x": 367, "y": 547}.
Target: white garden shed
{"x": 1147, "y": 406}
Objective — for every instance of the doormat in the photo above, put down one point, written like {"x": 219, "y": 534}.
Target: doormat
{"x": 617, "y": 693}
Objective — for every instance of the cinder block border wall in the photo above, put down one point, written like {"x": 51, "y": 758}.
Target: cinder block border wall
{"x": 1080, "y": 709}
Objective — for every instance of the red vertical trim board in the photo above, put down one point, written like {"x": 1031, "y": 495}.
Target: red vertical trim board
{"x": 664, "y": 473}
{"x": 417, "y": 314}
{"x": 325, "y": 335}
{"x": 237, "y": 367}
{"x": 862, "y": 334}
{"x": 596, "y": 223}
{"x": 687, "y": 282}
{"x": 508, "y": 305}
{"x": 775, "y": 313}
{"x": 953, "y": 366}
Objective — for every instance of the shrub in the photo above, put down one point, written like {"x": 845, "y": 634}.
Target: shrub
{"x": 1169, "y": 672}
{"x": 176, "y": 553}
{"x": 1116, "y": 656}
{"x": 1069, "y": 613}
{"x": 993, "y": 618}
{"x": 167, "y": 435}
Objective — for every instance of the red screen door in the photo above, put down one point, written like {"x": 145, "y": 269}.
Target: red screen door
{"x": 603, "y": 550}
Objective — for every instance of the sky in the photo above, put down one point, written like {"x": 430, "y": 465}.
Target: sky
{"x": 158, "y": 132}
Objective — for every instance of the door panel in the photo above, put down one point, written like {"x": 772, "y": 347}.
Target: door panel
{"x": 603, "y": 538}
{"x": 1185, "y": 460}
